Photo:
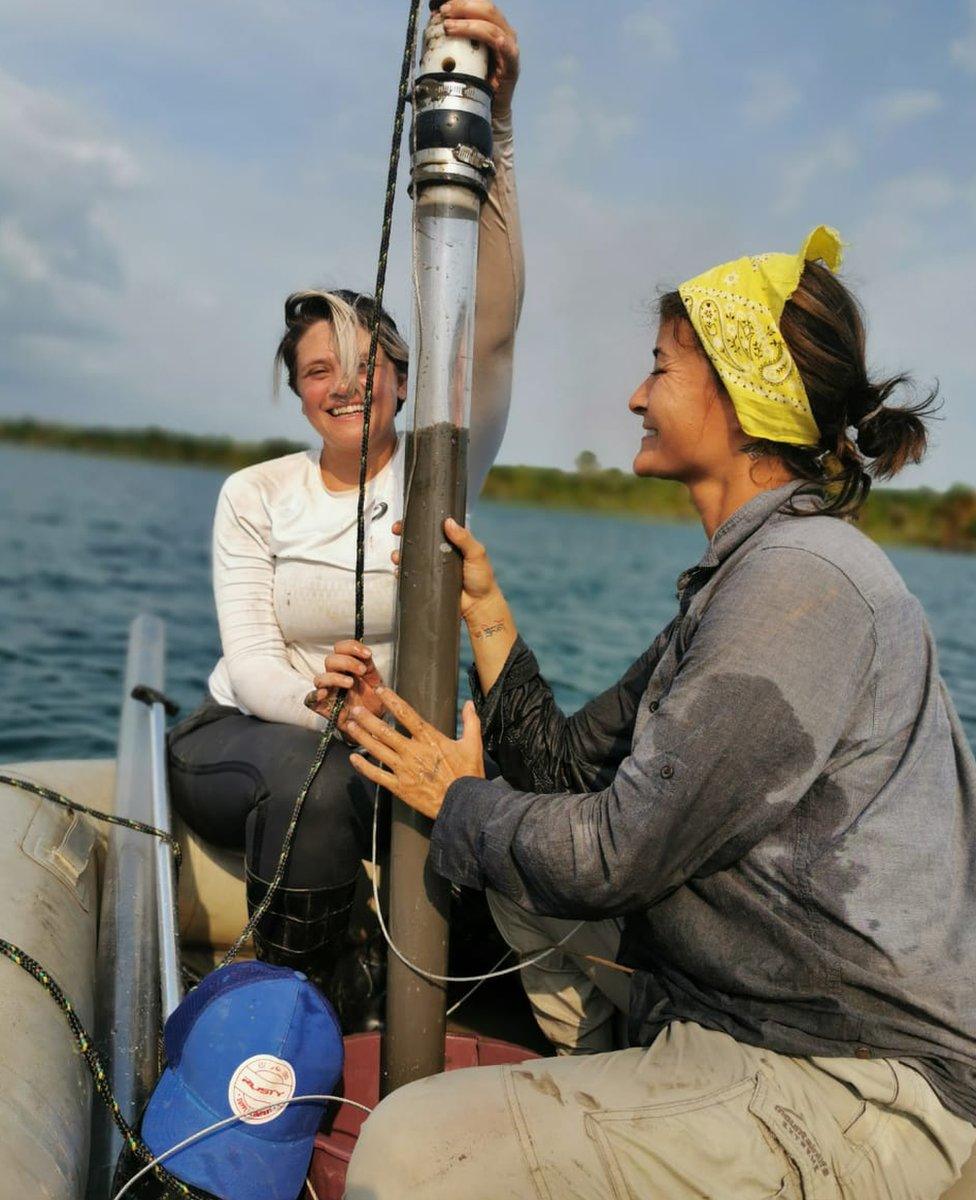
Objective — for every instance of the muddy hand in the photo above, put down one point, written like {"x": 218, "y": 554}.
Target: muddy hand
{"x": 484, "y": 22}
{"x": 478, "y": 584}
{"x": 349, "y": 668}
{"x": 420, "y": 763}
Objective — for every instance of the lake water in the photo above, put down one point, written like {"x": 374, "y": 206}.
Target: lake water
{"x": 86, "y": 543}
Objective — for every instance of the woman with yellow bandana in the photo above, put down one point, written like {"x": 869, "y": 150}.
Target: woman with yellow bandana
{"x": 758, "y": 844}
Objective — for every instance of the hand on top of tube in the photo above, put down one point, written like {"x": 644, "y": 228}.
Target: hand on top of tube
{"x": 422, "y": 762}
{"x": 484, "y": 22}
{"x": 478, "y": 585}
{"x": 350, "y": 666}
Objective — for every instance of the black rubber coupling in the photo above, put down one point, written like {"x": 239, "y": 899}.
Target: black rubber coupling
{"x": 447, "y": 128}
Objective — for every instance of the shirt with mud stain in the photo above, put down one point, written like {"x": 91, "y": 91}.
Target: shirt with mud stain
{"x": 777, "y": 798}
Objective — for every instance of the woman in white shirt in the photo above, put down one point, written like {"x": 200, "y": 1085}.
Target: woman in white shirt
{"x": 284, "y": 556}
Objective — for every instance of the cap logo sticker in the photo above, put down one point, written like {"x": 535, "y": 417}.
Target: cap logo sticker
{"x": 258, "y": 1082}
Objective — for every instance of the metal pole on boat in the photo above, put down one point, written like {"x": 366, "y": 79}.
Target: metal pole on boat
{"x": 170, "y": 976}
{"x": 451, "y": 168}
{"x": 127, "y": 997}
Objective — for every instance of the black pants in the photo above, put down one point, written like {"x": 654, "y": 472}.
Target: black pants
{"x": 234, "y": 780}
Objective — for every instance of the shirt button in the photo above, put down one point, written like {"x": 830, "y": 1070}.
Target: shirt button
{"x": 667, "y": 771}
{"x": 862, "y": 1052}
{"x": 654, "y": 705}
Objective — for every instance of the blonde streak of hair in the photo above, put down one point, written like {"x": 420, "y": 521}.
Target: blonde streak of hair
{"x": 344, "y": 326}
{"x": 347, "y": 324}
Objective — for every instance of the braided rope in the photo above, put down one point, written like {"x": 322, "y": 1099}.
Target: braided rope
{"x": 25, "y": 785}
{"x": 391, "y": 182}
{"x": 332, "y": 721}
{"x": 82, "y": 1038}
{"x": 85, "y": 1044}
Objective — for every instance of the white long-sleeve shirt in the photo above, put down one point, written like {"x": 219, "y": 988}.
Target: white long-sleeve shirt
{"x": 284, "y": 546}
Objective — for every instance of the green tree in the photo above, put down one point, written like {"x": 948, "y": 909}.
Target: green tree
{"x": 587, "y": 463}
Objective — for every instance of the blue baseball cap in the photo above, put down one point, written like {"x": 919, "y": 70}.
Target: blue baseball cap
{"x": 248, "y": 1035}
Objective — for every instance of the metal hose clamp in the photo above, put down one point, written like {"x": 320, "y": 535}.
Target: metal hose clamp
{"x": 451, "y": 141}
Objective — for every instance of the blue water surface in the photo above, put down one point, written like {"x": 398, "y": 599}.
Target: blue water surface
{"x": 86, "y": 543}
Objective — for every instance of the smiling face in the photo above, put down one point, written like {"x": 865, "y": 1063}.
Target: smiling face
{"x": 333, "y": 405}
{"x": 690, "y": 430}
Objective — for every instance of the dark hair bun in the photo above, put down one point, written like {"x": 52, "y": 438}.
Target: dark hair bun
{"x": 893, "y": 437}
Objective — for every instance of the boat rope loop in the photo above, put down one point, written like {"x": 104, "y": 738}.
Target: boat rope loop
{"x": 97, "y": 1071}
{"x": 83, "y": 1040}
{"x": 25, "y": 785}
{"x": 333, "y": 719}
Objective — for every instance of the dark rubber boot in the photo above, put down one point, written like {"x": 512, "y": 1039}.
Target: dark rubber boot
{"x": 304, "y": 928}
{"x": 359, "y": 987}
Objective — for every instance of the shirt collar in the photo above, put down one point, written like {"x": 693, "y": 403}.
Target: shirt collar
{"x": 730, "y": 535}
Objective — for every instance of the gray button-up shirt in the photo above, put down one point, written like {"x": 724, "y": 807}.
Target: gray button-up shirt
{"x": 778, "y": 798}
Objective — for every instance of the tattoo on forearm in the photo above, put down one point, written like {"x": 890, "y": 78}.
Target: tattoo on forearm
{"x": 487, "y": 631}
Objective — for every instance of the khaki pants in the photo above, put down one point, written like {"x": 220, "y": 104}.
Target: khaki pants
{"x": 697, "y": 1114}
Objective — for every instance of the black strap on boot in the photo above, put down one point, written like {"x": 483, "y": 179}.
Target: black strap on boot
{"x": 304, "y": 928}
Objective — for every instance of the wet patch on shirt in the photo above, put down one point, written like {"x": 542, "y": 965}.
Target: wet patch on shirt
{"x": 751, "y": 708}
{"x": 739, "y": 711}
{"x": 828, "y": 809}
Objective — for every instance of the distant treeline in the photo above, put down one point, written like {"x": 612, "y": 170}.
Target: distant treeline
{"x": 161, "y": 445}
{"x": 919, "y": 516}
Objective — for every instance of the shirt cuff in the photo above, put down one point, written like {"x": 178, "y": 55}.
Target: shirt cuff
{"x": 455, "y": 841}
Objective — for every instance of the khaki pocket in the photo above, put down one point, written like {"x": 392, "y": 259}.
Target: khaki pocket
{"x": 735, "y": 1143}
{"x": 861, "y": 1113}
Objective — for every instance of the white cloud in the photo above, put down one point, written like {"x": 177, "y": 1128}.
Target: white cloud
{"x": 902, "y": 105}
{"x": 560, "y": 122}
{"x": 772, "y": 96}
{"x": 922, "y": 191}
{"x": 652, "y": 27}
{"x": 963, "y": 49}
{"x": 569, "y": 115}
{"x": 62, "y": 179}
{"x": 50, "y": 141}
{"x": 21, "y": 256}
{"x": 836, "y": 154}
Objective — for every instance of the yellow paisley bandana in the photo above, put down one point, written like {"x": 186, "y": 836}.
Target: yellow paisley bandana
{"x": 735, "y": 309}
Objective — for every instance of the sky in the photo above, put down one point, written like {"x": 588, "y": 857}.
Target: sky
{"x": 168, "y": 173}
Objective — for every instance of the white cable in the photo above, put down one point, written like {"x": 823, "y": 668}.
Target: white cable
{"x": 221, "y": 1125}
{"x": 471, "y": 991}
{"x": 479, "y": 979}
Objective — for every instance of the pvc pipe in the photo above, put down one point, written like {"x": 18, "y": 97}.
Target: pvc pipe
{"x": 451, "y": 165}
{"x": 170, "y": 979}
